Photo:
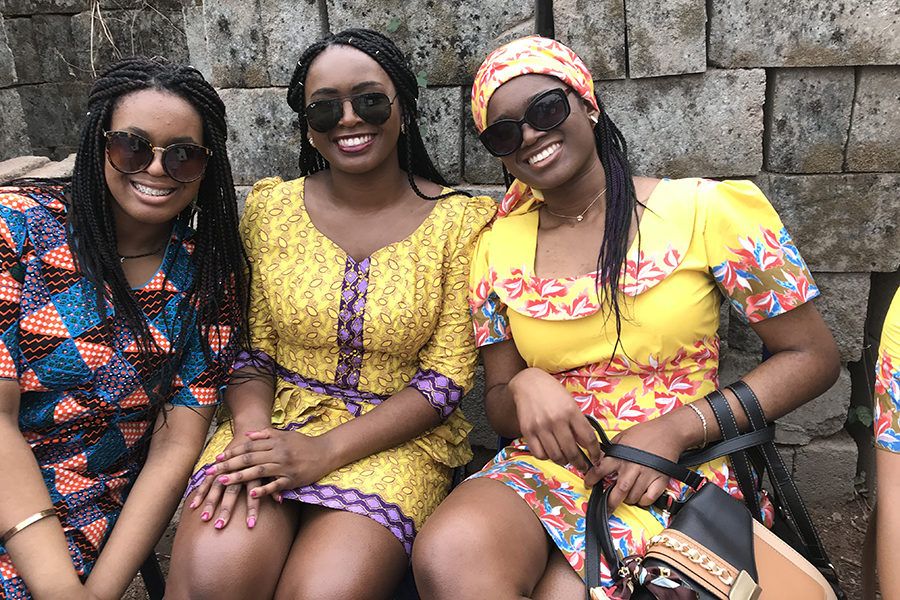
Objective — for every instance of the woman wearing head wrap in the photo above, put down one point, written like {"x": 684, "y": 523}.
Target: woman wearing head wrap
{"x": 598, "y": 293}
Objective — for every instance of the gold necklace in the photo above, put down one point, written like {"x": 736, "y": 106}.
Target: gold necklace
{"x": 578, "y": 218}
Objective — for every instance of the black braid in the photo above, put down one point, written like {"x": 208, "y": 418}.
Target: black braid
{"x": 221, "y": 277}
{"x": 412, "y": 155}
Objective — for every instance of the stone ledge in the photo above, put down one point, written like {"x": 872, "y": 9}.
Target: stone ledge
{"x": 20, "y": 166}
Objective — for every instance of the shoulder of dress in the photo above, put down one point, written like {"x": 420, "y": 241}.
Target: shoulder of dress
{"x": 267, "y": 183}
{"x": 21, "y": 200}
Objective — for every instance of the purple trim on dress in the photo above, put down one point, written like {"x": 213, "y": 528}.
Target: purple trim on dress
{"x": 196, "y": 479}
{"x": 440, "y": 391}
{"x": 350, "y": 322}
{"x": 254, "y": 358}
{"x": 369, "y": 505}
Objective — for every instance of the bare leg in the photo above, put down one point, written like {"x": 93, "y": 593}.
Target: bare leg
{"x": 339, "y": 555}
{"x": 560, "y": 580}
{"x": 483, "y": 541}
{"x": 234, "y": 562}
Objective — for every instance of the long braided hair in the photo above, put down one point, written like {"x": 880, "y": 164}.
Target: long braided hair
{"x": 220, "y": 280}
{"x": 621, "y": 207}
{"x": 413, "y": 156}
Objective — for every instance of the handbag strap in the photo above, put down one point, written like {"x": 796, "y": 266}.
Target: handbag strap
{"x": 654, "y": 461}
{"x": 598, "y": 539}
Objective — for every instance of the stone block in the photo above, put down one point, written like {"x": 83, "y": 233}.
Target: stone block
{"x": 681, "y": 50}
{"x": 10, "y": 8}
{"x": 45, "y": 50}
{"x": 482, "y": 433}
{"x": 235, "y": 43}
{"x": 875, "y": 132}
{"x": 709, "y": 124}
{"x": 7, "y": 63}
{"x": 803, "y": 33}
{"x": 440, "y": 119}
{"x": 824, "y": 469}
{"x": 494, "y": 191}
{"x": 13, "y": 127}
{"x": 195, "y": 35}
{"x": 447, "y": 40}
{"x": 26, "y": 67}
{"x": 163, "y": 5}
{"x": 596, "y": 32}
{"x": 56, "y": 169}
{"x": 53, "y": 113}
{"x": 841, "y": 223}
{"x": 263, "y": 134}
{"x": 806, "y": 126}
{"x": 479, "y": 166}
{"x": 843, "y": 301}
{"x": 820, "y": 417}
{"x": 734, "y": 364}
{"x": 241, "y": 192}
{"x": 19, "y": 166}
{"x": 742, "y": 337}
{"x": 118, "y": 33}
{"x": 288, "y": 27}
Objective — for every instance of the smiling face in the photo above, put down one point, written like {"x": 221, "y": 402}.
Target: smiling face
{"x": 353, "y": 145}
{"x": 151, "y": 197}
{"x": 546, "y": 159}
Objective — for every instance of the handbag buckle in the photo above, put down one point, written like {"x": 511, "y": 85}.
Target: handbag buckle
{"x": 744, "y": 588}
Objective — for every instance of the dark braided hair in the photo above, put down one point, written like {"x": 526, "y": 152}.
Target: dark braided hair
{"x": 220, "y": 282}
{"x": 413, "y": 156}
{"x": 621, "y": 206}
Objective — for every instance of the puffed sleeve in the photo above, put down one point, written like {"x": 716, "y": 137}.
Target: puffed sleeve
{"x": 12, "y": 242}
{"x": 199, "y": 382}
{"x": 254, "y": 228}
{"x": 752, "y": 258}
{"x": 487, "y": 310}
{"x": 447, "y": 360}
{"x": 887, "y": 381}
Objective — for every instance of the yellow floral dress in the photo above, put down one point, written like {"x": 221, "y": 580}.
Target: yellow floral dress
{"x": 887, "y": 381}
{"x": 699, "y": 240}
{"x": 342, "y": 336}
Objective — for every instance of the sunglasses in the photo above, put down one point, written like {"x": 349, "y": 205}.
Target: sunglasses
{"x": 546, "y": 111}
{"x": 371, "y": 107}
{"x": 129, "y": 153}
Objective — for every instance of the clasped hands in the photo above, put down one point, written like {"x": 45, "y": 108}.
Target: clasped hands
{"x": 265, "y": 463}
{"x": 554, "y": 428}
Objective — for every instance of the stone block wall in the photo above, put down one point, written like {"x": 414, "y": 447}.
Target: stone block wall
{"x": 801, "y": 97}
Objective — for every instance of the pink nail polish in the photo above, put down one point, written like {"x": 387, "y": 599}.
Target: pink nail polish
{"x": 251, "y": 522}
{"x": 220, "y": 456}
{"x": 278, "y": 498}
{"x": 211, "y": 470}
{"x": 223, "y": 479}
{"x": 253, "y": 493}
{"x": 205, "y": 516}
{"x": 193, "y": 504}
{"x": 219, "y": 524}
{"x": 248, "y": 432}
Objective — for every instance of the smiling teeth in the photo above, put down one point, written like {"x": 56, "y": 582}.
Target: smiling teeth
{"x": 354, "y": 141}
{"x": 152, "y": 191}
{"x": 543, "y": 154}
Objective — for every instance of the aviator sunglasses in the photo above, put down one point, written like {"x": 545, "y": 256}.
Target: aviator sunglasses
{"x": 371, "y": 107}
{"x": 129, "y": 153}
{"x": 546, "y": 111}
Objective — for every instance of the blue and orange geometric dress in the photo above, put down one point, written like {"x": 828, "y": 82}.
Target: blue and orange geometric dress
{"x": 700, "y": 242}
{"x": 83, "y": 409}
{"x": 341, "y": 336}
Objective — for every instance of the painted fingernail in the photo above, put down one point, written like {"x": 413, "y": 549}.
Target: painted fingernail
{"x": 223, "y": 479}
{"x": 211, "y": 470}
{"x": 219, "y": 524}
{"x": 248, "y": 432}
{"x": 220, "y": 456}
{"x": 253, "y": 493}
{"x": 278, "y": 498}
{"x": 205, "y": 516}
{"x": 193, "y": 504}
{"x": 251, "y": 522}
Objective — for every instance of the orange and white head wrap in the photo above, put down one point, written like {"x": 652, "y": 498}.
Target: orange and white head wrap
{"x": 532, "y": 54}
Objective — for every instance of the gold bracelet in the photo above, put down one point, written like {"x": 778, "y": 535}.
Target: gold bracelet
{"x": 47, "y": 512}
{"x": 702, "y": 420}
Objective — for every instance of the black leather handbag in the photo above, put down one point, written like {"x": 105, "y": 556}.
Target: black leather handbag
{"x": 713, "y": 547}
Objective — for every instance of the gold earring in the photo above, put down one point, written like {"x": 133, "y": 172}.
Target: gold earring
{"x": 311, "y": 142}
{"x": 402, "y": 128}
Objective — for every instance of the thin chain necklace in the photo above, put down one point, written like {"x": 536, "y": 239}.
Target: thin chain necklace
{"x": 123, "y": 257}
{"x": 578, "y": 218}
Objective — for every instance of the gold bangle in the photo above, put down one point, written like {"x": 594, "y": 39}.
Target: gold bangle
{"x": 31, "y": 520}
{"x": 702, "y": 420}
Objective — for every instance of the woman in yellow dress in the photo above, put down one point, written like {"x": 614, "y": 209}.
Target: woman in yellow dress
{"x": 362, "y": 349}
{"x": 598, "y": 293}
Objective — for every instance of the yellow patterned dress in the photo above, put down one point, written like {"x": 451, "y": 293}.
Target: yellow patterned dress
{"x": 699, "y": 241}
{"x": 887, "y": 381}
{"x": 342, "y": 336}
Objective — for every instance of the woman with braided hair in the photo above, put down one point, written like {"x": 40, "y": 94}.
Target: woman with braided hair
{"x": 361, "y": 344}
{"x": 598, "y": 293}
{"x": 122, "y": 295}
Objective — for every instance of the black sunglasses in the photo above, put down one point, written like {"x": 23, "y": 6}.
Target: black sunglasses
{"x": 546, "y": 111}
{"x": 130, "y": 153}
{"x": 372, "y": 107}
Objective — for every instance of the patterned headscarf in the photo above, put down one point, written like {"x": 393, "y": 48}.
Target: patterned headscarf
{"x": 532, "y": 54}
